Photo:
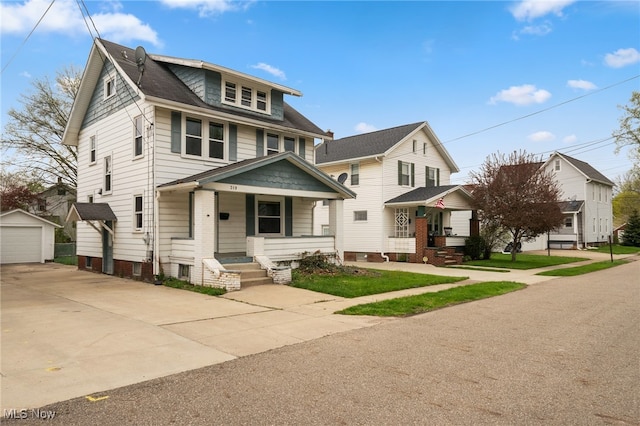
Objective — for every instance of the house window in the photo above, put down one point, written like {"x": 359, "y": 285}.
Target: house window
{"x": 137, "y": 136}
{"x": 108, "y": 170}
{"x": 360, "y": 216}
{"x": 42, "y": 205}
{"x": 261, "y": 103}
{"x": 556, "y": 166}
{"x": 137, "y": 269}
{"x": 273, "y": 144}
{"x": 92, "y": 149}
{"x": 269, "y": 217}
{"x": 404, "y": 176}
{"x": 599, "y": 192}
{"x": 230, "y": 92}
{"x": 184, "y": 272}
{"x": 433, "y": 177}
{"x": 137, "y": 212}
{"x": 325, "y": 202}
{"x": 594, "y": 224}
{"x": 355, "y": 174}
{"x": 325, "y": 230}
{"x": 402, "y": 223}
{"x": 568, "y": 222}
{"x": 109, "y": 87}
{"x": 193, "y": 145}
{"x": 216, "y": 140}
{"x": 289, "y": 144}
{"x": 424, "y": 148}
{"x": 246, "y": 97}
{"x": 88, "y": 262}
{"x": 62, "y": 191}
{"x": 415, "y": 146}
{"x": 90, "y": 199}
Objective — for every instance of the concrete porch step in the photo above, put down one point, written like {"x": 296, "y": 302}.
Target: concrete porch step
{"x": 251, "y": 274}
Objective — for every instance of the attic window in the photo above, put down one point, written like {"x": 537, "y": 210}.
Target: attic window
{"x": 249, "y": 97}
{"x": 556, "y": 165}
{"x": 109, "y": 87}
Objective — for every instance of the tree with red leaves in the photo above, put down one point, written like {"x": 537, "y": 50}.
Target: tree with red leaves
{"x": 519, "y": 195}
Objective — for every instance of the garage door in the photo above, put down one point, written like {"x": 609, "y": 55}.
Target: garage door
{"x": 21, "y": 244}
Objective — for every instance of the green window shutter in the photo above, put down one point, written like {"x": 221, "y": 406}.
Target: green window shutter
{"x": 233, "y": 142}
{"x": 437, "y": 177}
{"x": 259, "y": 143}
{"x": 288, "y": 216}
{"x": 413, "y": 174}
{"x": 176, "y": 131}
{"x": 250, "y": 209}
{"x": 426, "y": 176}
{"x": 399, "y": 172}
{"x": 301, "y": 147}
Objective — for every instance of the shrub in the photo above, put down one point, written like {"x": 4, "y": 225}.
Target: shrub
{"x": 474, "y": 247}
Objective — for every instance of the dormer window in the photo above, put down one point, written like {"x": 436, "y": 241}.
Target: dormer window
{"x": 249, "y": 97}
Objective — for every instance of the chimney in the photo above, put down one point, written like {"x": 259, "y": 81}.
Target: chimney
{"x": 329, "y": 133}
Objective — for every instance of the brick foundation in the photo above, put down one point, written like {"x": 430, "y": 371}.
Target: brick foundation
{"x": 121, "y": 268}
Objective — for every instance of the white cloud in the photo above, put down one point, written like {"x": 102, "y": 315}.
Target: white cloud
{"x": 528, "y": 10}
{"x": 581, "y": 84}
{"x": 25, "y": 74}
{"x": 208, "y": 8}
{"x": 521, "y": 95}
{"x": 64, "y": 17}
{"x": 271, "y": 70}
{"x": 570, "y": 139}
{"x": 363, "y": 127}
{"x": 542, "y": 136}
{"x": 622, "y": 57}
{"x": 537, "y": 30}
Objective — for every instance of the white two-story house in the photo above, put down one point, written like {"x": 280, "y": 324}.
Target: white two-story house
{"x": 586, "y": 203}
{"x": 183, "y": 164}
{"x": 405, "y": 198}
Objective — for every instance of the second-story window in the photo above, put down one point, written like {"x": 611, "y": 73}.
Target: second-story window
{"x": 247, "y": 95}
{"x": 92, "y": 149}
{"x": 261, "y": 100}
{"x": 193, "y": 141}
{"x": 230, "y": 92}
{"x": 137, "y": 136}
{"x": 273, "y": 144}
{"x": 405, "y": 174}
{"x": 108, "y": 174}
{"x": 244, "y": 95}
{"x": 433, "y": 177}
{"x": 355, "y": 174}
{"x": 289, "y": 144}
{"x": 216, "y": 140}
{"x": 137, "y": 212}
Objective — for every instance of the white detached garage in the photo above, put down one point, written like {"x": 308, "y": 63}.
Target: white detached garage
{"x": 26, "y": 238}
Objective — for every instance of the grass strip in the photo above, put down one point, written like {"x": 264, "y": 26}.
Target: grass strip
{"x": 366, "y": 282}
{"x": 413, "y": 305}
{"x": 579, "y": 270}
{"x": 183, "y": 285}
{"x": 523, "y": 261}
{"x": 618, "y": 249}
{"x": 471, "y": 268}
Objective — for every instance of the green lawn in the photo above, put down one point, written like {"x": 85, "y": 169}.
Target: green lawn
{"x": 413, "y": 305}
{"x": 183, "y": 285}
{"x": 618, "y": 249}
{"x": 523, "y": 261}
{"x": 67, "y": 260}
{"x": 364, "y": 282}
{"x": 579, "y": 270}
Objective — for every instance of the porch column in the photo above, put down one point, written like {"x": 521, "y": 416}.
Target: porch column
{"x": 474, "y": 224}
{"x": 336, "y": 226}
{"x": 204, "y": 221}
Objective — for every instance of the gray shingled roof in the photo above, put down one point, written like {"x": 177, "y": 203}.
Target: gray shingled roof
{"x": 94, "y": 211}
{"x": 421, "y": 194}
{"x": 364, "y": 145}
{"x": 587, "y": 169}
{"x": 571, "y": 206}
{"x": 159, "y": 82}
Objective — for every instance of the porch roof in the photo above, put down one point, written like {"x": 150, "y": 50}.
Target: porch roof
{"x": 428, "y": 196}
{"x": 309, "y": 177}
{"x": 90, "y": 211}
{"x": 573, "y": 206}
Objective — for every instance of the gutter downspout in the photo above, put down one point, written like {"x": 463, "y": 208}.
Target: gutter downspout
{"x": 384, "y": 256}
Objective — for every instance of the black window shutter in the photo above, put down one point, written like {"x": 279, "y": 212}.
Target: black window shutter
{"x": 399, "y": 172}
{"x": 250, "y": 214}
{"x": 259, "y": 143}
{"x": 176, "y": 131}
{"x": 413, "y": 174}
{"x": 233, "y": 142}
{"x": 301, "y": 147}
{"x": 288, "y": 216}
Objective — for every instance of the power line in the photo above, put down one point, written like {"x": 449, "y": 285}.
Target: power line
{"x": 27, "y": 37}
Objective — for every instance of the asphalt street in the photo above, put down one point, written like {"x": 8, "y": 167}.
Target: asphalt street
{"x": 564, "y": 351}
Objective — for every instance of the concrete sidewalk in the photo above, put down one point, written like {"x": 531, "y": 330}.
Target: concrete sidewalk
{"x": 68, "y": 333}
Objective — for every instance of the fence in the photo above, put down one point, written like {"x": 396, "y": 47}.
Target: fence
{"x": 64, "y": 249}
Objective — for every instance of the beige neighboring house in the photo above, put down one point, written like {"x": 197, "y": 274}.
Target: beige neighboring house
{"x": 402, "y": 176}
{"x": 54, "y": 203}
{"x": 26, "y": 238}
{"x": 187, "y": 168}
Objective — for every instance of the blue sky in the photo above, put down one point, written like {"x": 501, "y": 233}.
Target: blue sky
{"x": 487, "y": 76}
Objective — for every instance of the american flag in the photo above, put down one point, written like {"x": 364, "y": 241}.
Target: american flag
{"x": 440, "y": 204}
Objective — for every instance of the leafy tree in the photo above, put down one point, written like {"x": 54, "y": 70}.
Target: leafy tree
{"x": 517, "y": 194}
{"x": 627, "y": 197}
{"x": 32, "y": 137}
{"x": 629, "y": 131}
{"x": 631, "y": 235}
{"x": 16, "y": 192}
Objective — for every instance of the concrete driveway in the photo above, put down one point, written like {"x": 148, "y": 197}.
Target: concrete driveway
{"x": 69, "y": 333}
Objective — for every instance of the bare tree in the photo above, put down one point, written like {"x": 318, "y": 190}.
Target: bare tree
{"x": 629, "y": 131}
{"x": 32, "y": 137}
{"x": 516, "y": 193}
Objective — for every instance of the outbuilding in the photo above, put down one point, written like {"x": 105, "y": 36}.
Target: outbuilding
{"x": 26, "y": 238}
